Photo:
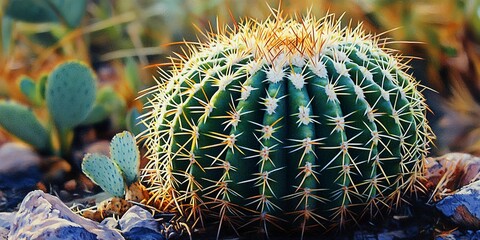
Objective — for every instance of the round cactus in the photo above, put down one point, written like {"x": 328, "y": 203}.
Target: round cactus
{"x": 286, "y": 123}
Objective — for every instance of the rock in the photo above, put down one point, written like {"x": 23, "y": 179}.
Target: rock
{"x": 5, "y": 223}
{"x": 110, "y": 222}
{"x": 138, "y": 223}
{"x": 459, "y": 235}
{"x": 43, "y": 216}
{"x": 138, "y": 217}
{"x": 450, "y": 172}
{"x": 19, "y": 173}
{"x": 140, "y": 233}
{"x": 463, "y": 206}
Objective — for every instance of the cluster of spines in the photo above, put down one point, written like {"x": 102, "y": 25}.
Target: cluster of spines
{"x": 284, "y": 96}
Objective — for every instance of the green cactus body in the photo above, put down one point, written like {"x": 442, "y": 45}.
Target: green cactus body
{"x": 20, "y": 121}
{"x": 70, "y": 94}
{"x": 118, "y": 171}
{"x": 302, "y": 121}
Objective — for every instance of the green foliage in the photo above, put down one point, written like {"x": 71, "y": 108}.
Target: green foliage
{"x": 304, "y": 121}
{"x": 108, "y": 104}
{"x": 7, "y": 26}
{"x": 69, "y": 11}
{"x": 134, "y": 123}
{"x": 104, "y": 173}
{"x": 32, "y": 90}
{"x": 132, "y": 75}
{"x": 120, "y": 170}
{"x": 21, "y": 122}
{"x": 70, "y": 94}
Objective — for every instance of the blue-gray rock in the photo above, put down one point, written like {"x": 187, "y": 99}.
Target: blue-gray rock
{"x": 5, "y": 223}
{"x": 141, "y": 233}
{"x": 110, "y": 222}
{"x": 138, "y": 217}
{"x": 43, "y": 216}
{"x": 19, "y": 173}
{"x": 459, "y": 235}
{"x": 463, "y": 207}
{"x": 138, "y": 223}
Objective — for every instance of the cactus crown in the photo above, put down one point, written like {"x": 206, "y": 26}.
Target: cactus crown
{"x": 286, "y": 119}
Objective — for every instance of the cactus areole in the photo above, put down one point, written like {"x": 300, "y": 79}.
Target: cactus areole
{"x": 286, "y": 122}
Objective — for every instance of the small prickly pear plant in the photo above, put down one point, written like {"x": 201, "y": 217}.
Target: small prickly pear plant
{"x": 119, "y": 173}
{"x": 286, "y": 122}
{"x": 69, "y": 93}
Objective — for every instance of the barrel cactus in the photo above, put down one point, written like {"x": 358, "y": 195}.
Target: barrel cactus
{"x": 285, "y": 122}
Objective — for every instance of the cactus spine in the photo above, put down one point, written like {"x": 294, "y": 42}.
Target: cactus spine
{"x": 303, "y": 121}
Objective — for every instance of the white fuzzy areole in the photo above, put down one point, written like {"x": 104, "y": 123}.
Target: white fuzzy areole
{"x": 265, "y": 153}
{"x": 298, "y": 60}
{"x": 230, "y": 141}
{"x": 370, "y": 114}
{"x": 307, "y": 145}
{"x": 318, "y": 67}
{"x": 224, "y": 81}
{"x": 208, "y": 109}
{"x": 340, "y": 56}
{"x": 297, "y": 80}
{"x": 215, "y": 49}
{"x": 233, "y": 58}
{"x": 196, "y": 87}
{"x": 330, "y": 91}
{"x": 341, "y": 69}
{"x": 271, "y": 104}
{"x": 362, "y": 56}
{"x": 388, "y": 75}
{"x": 395, "y": 116}
{"x": 366, "y": 73}
{"x": 304, "y": 115}
{"x": 402, "y": 93}
{"x": 267, "y": 131}
{"x": 245, "y": 92}
{"x": 275, "y": 74}
{"x": 235, "y": 119}
{"x": 339, "y": 123}
{"x": 253, "y": 66}
{"x": 385, "y": 94}
{"x": 375, "y": 137}
{"x": 359, "y": 92}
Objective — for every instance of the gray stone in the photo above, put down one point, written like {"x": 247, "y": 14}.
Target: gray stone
{"x": 43, "y": 216}
{"x": 138, "y": 217}
{"x": 139, "y": 224}
{"x": 6, "y": 219}
{"x": 110, "y": 222}
{"x": 463, "y": 207}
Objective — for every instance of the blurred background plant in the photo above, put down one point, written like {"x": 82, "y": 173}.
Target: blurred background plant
{"x": 124, "y": 42}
